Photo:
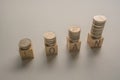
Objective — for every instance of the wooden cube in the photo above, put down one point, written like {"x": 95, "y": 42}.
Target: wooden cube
{"x": 51, "y": 50}
{"x": 26, "y": 54}
{"x": 73, "y": 46}
{"x": 94, "y": 43}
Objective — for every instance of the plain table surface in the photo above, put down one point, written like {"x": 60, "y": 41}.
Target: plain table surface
{"x": 31, "y": 18}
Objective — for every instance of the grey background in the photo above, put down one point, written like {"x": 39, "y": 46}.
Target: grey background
{"x": 31, "y": 18}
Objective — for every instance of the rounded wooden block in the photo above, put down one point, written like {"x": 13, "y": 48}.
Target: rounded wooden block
{"x": 25, "y": 43}
{"x": 74, "y": 32}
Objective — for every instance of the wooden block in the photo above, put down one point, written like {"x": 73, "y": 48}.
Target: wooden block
{"x": 25, "y": 49}
{"x": 51, "y": 50}
{"x": 73, "y": 46}
{"x": 94, "y": 43}
{"x": 51, "y": 47}
{"x": 26, "y": 54}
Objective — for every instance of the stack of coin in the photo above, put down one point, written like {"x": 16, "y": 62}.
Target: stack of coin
{"x": 98, "y": 26}
{"x": 50, "y": 38}
{"x": 74, "y": 33}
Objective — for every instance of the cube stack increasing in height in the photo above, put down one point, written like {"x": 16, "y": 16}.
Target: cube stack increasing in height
{"x": 51, "y": 46}
{"x": 73, "y": 39}
{"x": 95, "y": 38}
{"x": 25, "y": 49}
